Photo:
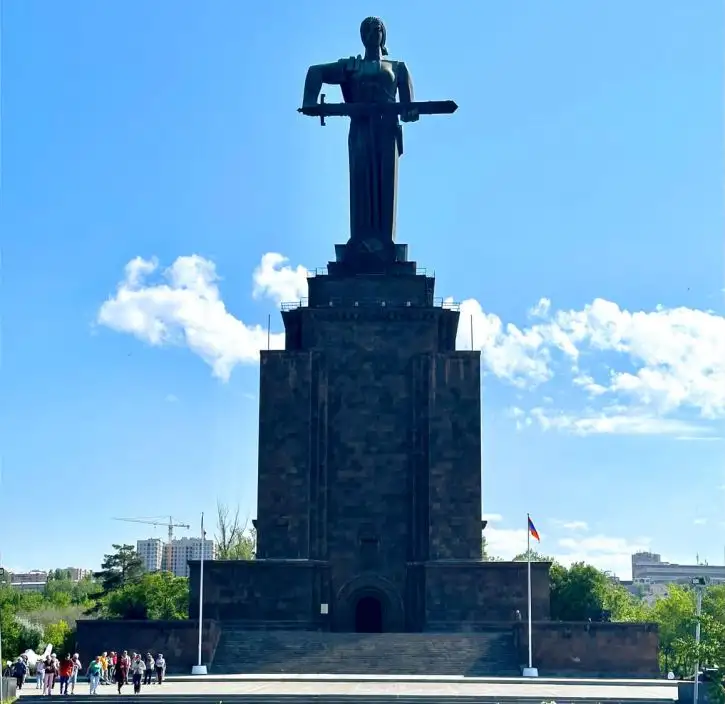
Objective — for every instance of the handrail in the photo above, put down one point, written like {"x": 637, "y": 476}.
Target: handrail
{"x": 370, "y": 303}
{"x": 322, "y": 271}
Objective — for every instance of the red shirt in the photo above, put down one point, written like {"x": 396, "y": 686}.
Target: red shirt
{"x": 66, "y": 668}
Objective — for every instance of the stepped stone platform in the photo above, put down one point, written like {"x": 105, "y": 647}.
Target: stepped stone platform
{"x": 489, "y": 653}
{"x": 257, "y": 689}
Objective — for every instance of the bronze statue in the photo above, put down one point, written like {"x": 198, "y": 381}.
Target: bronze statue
{"x": 369, "y": 86}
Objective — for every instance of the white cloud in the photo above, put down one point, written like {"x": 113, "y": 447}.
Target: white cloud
{"x": 274, "y": 279}
{"x": 541, "y": 309}
{"x": 604, "y": 552}
{"x": 184, "y": 308}
{"x": 492, "y": 517}
{"x": 171, "y": 398}
{"x": 613, "y": 420}
{"x": 645, "y": 371}
{"x": 520, "y": 357}
{"x": 700, "y": 521}
{"x": 572, "y": 525}
{"x": 659, "y": 363}
{"x": 589, "y": 385}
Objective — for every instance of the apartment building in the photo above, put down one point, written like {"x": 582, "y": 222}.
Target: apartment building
{"x": 151, "y": 552}
{"x": 35, "y": 580}
{"x": 155, "y": 554}
{"x": 648, "y": 568}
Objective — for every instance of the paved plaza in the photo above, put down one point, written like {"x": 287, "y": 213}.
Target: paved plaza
{"x": 217, "y": 687}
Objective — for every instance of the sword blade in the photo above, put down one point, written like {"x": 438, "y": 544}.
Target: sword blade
{"x": 427, "y": 107}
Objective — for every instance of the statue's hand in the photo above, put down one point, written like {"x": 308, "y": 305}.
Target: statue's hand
{"x": 410, "y": 116}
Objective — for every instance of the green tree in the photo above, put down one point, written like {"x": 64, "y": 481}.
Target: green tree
{"x": 9, "y": 626}
{"x": 535, "y": 556}
{"x": 675, "y": 616}
{"x": 58, "y": 574}
{"x": 157, "y": 595}
{"x": 61, "y": 637}
{"x": 234, "y": 538}
{"x": 621, "y": 603}
{"x": 119, "y": 568}
{"x": 58, "y": 592}
{"x": 31, "y": 635}
{"x": 576, "y": 592}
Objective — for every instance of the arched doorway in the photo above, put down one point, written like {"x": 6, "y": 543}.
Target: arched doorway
{"x": 368, "y": 615}
{"x": 368, "y": 604}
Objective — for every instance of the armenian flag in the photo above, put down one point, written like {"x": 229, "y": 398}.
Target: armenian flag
{"x": 532, "y": 530}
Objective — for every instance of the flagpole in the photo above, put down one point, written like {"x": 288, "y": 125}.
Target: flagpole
{"x": 530, "y": 671}
{"x": 528, "y": 571}
{"x": 200, "y": 669}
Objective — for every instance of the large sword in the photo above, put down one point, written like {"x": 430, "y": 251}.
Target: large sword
{"x": 428, "y": 107}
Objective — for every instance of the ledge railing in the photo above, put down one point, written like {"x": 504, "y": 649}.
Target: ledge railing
{"x": 370, "y": 303}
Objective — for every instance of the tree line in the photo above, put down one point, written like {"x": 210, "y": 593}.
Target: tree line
{"x": 123, "y": 589}
{"x": 581, "y": 592}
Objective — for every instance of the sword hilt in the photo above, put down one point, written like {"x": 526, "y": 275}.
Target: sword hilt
{"x": 322, "y": 116}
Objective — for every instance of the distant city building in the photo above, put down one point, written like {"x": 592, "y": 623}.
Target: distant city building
{"x": 35, "y": 580}
{"x": 155, "y": 554}
{"x": 151, "y": 551}
{"x": 648, "y": 568}
{"x": 78, "y": 573}
{"x": 651, "y": 577}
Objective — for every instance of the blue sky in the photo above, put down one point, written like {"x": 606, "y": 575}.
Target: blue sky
{"x": 574, "y": 203}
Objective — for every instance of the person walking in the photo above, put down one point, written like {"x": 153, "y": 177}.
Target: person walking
{"x": 94, "y": 674}
{"x": 104, "y": 668}
{"x": 51, "y": 670}
{"x": 149, "y": 671}
{"x": 112, "y": 660}
{"x": 138, "y": 669}
{"x": 39, "y": 673}
{"x": 121, "y": 673}
{"x": 66, "y": 670}
{"x": 20, "y": 669}
{"x": 160, "y": 666}
{"x": 126, "y": 660}
{"x": 74, "y": 674}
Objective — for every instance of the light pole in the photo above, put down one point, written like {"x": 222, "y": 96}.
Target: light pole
{"x": 699, "y": 584}
{"x": 2, "y": 664}
{"x": 199, "y": 668}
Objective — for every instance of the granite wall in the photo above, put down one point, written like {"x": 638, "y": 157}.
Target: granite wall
{"x": 177, "y": 640}
{"x": 597, "y": 649}
{"x": 285, "y": 435}
{"x": 462, "y": 593}
{"x": 454, "y": 456}
{"x": 260, "y": 590}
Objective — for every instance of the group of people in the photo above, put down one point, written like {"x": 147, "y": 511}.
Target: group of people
{"x": 124, "y": 668}
{"x": 106, "y": 668}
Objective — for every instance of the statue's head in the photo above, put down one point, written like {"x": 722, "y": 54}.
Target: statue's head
{"x": 372, "y": 33}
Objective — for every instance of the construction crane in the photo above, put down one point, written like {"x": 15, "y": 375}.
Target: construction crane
{"x": 170, "y": 525}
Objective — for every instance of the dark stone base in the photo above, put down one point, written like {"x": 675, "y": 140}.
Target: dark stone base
{"x": 560, "y": 649}
{"x": 177, "y": 640}
{"x": 371, "y": 256}
{"x": 443, "y": 595}
{"x": 595, "y": 649}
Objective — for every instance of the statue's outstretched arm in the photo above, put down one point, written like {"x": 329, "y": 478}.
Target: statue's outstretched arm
{"x": 405, "y": 84}
{"x": 319, "y": 75}
{"x": 405, "y": 92}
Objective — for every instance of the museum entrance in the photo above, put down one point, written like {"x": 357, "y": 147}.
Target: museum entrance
{"x": 369, "y": 615}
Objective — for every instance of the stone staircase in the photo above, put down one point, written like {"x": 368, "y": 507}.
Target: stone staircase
{"x": 147, "y": 698}
{"x": 309, "y": 653}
